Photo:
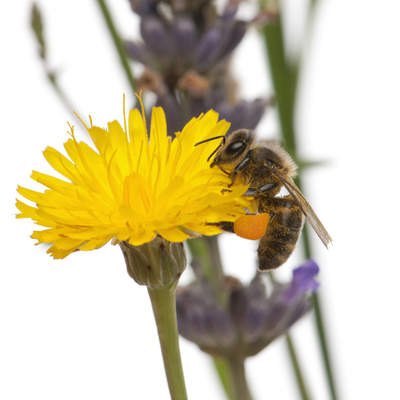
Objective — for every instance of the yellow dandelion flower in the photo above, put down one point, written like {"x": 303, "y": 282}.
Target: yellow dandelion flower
{"x": 132, "y": 188}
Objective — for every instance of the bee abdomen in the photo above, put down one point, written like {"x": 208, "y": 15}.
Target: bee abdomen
{"x": 280, "y": 239}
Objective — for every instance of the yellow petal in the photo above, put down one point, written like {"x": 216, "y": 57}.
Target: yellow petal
{"x": 173, "y": 235}
{"x": 130, "y": 188}
{"x": 144, "y": 235}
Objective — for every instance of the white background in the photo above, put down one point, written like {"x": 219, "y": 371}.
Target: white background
{"x": 82, "y": 329}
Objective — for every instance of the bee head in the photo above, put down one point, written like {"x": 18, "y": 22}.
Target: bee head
{"x": 233, "y": 148}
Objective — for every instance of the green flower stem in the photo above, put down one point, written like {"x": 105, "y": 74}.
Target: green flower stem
{"x": 297, "y": 369}
{"x": 62, "y": 96}
{"x": 217, "y": 273}
{"x": 324, "y": 345}
{"x": 284, "y": 78}
{"x": 240, "y": 389}
{"x": 118, "y": 44}
{"x": 225, "y": 376}
{"x": 207, "y": 250}
{"x": 164, "y": 309}
{"x": 37, "y": 26}
{"x": 293, "y": 358}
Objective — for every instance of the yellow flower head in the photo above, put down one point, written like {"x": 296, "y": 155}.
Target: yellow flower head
{"x": 133, "y": 188}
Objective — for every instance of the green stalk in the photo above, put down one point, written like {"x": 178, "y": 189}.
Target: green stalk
{"x": 324, "y": 345}
{"x": 37, "y": 26}
{"x": 62, "y": 96}
{"x": 225, "y": 376}
{"x": 207, "y": 250}
{"x": 164, "y": 309}
{"x": 284, "y": 78}
{"x": 293, "y": 358}
{"x": 240, "y": 389}
{"x": 118, "y": 44}
{"x": 297, "y": 369}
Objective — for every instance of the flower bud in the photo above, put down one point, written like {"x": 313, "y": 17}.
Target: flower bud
{"x": 244, "y": 115}
{"x": 209, "y": 45}
{"x": 173, "y": 112}
{"x": 138, "y": 52}
{"x": 157, "y": 37}
{"x": 303, "y": 281}
{"x": 235, "y": 33}
{"x": 155, "y": 264}
{"x": 184, "y": 37}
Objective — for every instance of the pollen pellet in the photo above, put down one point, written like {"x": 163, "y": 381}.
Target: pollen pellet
{"x": 251, "y": 227}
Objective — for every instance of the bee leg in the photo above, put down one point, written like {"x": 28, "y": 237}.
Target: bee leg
{"x": 260, "y": 191}
{"x": 226, "y": 226}
{"x": 282, "y": 233}
{"x": 239, "y": 167}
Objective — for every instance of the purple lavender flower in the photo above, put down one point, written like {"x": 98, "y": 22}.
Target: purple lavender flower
{"x": 201, "y": 320}
{"x": 244, "y": 115}
{"x": 180, "y": 43}
{"x": 251, "y": 319}
{"x": 189, "y": 45}
{"x": 303, "y": 281}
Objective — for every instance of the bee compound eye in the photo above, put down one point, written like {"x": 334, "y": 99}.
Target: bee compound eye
{"x": 234, "y": 147}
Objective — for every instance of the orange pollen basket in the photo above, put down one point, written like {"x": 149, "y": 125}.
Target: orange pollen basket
{"x": 251, "y": 227}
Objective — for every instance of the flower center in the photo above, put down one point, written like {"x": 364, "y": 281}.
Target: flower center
{"x": 137, "y": 193}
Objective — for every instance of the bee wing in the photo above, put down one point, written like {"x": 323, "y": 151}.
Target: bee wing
{"x": 305, "y": 207}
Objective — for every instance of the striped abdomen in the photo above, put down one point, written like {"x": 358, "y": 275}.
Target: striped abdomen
{"x": 282, "y": 233}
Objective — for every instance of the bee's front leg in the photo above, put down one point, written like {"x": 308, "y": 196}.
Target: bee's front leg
{"x": 239, "y": 167}
{"x": 226, "y": 226}
{"x": 233, "y": 178}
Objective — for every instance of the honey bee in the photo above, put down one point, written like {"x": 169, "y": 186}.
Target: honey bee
{"x": 266, "y": 168}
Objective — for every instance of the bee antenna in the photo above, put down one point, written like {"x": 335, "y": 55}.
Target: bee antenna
{"x": 209, "y": 140}
{"x": 208, "y": 159}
